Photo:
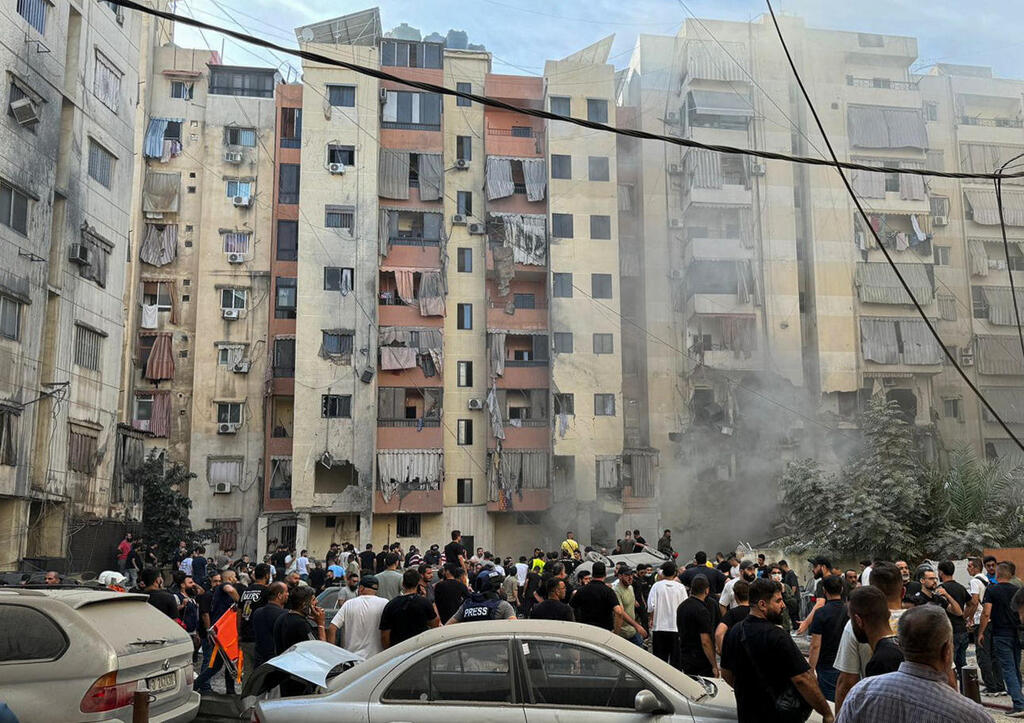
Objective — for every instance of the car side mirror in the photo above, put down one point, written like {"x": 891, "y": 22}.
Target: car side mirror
{"x": 646, "y": 702}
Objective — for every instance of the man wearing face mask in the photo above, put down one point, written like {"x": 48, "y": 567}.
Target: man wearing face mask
{"x": 748, "y": 573}
{"x": 762, "y": 663}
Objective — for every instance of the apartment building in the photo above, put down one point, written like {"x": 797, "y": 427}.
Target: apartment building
{"x": 67, "y": 138}
{"x": 785, "y": 316}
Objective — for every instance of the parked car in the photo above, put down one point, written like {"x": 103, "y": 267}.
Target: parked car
{"x": 81, "y": 654}
{"x": 523, "y": 671}
{"x": 328, "y": 600}
{"x": 648, "y": 556}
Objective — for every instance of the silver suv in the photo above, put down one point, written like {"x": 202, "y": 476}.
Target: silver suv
{"x": 81, "y": 655}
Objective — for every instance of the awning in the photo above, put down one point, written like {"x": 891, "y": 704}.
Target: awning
{"x": 1000, "y": 305}
{"x": 878, "y": 342}
{"x": 161, "y": 192}
{"x": 985, "y": 210}
{"x": 713, "y": 102}
{"x": 999, "y": 355}
{"x": 919, "y": 346}
{"x": 1008, "y": 403}
{"x": 877, "y": 283}
{"x": 877, "y": 127}
{"x": 1006, "y": 451}
{"x": 421, "y": 469}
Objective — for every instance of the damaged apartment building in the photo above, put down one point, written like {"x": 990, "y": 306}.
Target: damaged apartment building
{"x": 784, "y": 316}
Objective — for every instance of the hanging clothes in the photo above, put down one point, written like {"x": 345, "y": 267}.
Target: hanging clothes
{"x": 404, "y": 282}
{"x": 150, "y": 316}
{"x": 397, "y": 357}
{"x": 902, "y": 243}
{"x": 918, "y": 233}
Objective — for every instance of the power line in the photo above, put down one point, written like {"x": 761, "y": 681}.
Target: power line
{"x": 885, "y": 251}
{"x": 547, "y": 115}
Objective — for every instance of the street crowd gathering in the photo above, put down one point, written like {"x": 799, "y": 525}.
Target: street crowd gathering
{"x": 887, "y": 643}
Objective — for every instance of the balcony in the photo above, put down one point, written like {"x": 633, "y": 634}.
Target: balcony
{"x": 520, "y": 374}
{"x": 523, "y": 500}
{"x": 407, "y": 436}
{"x": 991, "y": 122}
{"x": 881, "y": 83}
{"x": 524, "y": 141}
{"x": 409, "y": 501}
{"x": 535, "y": 319}
{"x": 523, "y": 271}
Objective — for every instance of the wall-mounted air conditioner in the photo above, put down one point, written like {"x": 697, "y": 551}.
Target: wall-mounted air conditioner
{"x": 462, "y": 164}
{"x": 229, "y": 313}
{"x": 236, "y": 258}
{"x": 675, "y": 223}
{"x": 242, "y": 367}
{"x": 940, "y": 220}
{"x": 967, "y": 357}
{"x": 338, "y": 169}
{"x": 476, "y": 404}
{"x": 676, "y": 168}
{"x": 222, "y": 488}
{"x": 80, "y": 254}
{"x": 459, "y": 219}
{"x": 242, "y": 201}
{"x": 228, "y": 428}
{"x": 756, "y": 168}
{"x": 24, "y": 111}
{"x": 383, "y": 95}
{"x": 477, "y": 229}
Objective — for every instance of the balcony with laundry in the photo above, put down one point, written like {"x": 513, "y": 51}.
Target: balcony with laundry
{"x": 519, "y": 418}
{"x": 516, "y": 185}
{"x": 410, "y": 296}
{"x": 987, "y": 260}
{"x": 409, "y": 481}
{"x": 409, "y": 418}
{"x": 518, "y": 480}
{"x": 409, "y": 356}
{"x": 725, "y": 342}
{"x": 907, "y": 236}
{"x": 524, "y": 305}
{"x": 518, "y": 360}
{"x": 706, "y": 177}
{"x": 718, "y": 287}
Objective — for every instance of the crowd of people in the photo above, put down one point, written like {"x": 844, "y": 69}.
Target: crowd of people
{"x": 882, "y": 639}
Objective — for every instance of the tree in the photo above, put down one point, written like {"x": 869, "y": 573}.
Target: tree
{"x": 165, "y": 518}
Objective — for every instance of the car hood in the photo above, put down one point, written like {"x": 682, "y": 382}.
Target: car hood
{"x": 311, "y": 661}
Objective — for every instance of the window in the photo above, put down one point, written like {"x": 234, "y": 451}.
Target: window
{"x": 410, "y": 54}
{"x": 107, "y": 82}
{"x": 87, "y": 347}
{"x": 562, "y": 285}
{"x": 465, "y": 259}
{"x": 464, "y": 491}
{"x": 604, "y": 344}
{"x": 601, "y": 227}
{"x": 239, "y": 189}
{"x": 229, "y": 354}
{"x": 525, "y": 301}
{"x": 597, "y": 110}
{"x": 464, "y": 203}
{"x": 411, "y": 111}
{"x": 224, "y": 470}
{"x": 560, "y": 105}
{"x": 407, "y": 525}
{"x": 34, "y": 11}
{"x": 476, "y": 673}
{"x": 601, "y": 286}
{"x": 38, "y": 638}
{"x": 336, "y": 405}
{"x": 597, "y": 168}
{"x": 465, "y": 373}
{"x": 285, "y": 300}
{"x": 343, "y": 217}
{"x": 143, "y": 414}
{"x": 941, "y": 255}
{"x": 248, "y": 82}
{"x": 561, "y": 225}
{"x": 291, "y": 128}
{"x": 182, "y": 90}
{"x": 464, "y": 148}
{"x": 288, "y": 183}
{"x": 235, "y": 243}
{"x": 287, "y": 240}
{"x": 464, "y": 88}
{"x": 561, "y": 166}
{"x": 464, "y": 316}
{"x": 951, "y": 408}
{"x": 345, "y": 155}
{"x": 939, "y": 205}
{"x": 337, "y": 343}
{"x": 604, "y": 405}
{"x": 10, "y": 318}
{"x": 563, "y": 342}
{"x": 563, "y": 674}
{"x": 229, "y": 412}
{"x": 240, "y": 137}
{"x": 979, "y": 302}
{"x": 343, "y": 96}
{"x": 82, "y": 446}
{"x": 284, "y": 357}
{"x": 155, "y": 293}
{"x": 565, "y": 404}
{"x": 465, "y": 431}
{"x": 101, "y": 164}
{"x": 13, "y": 208}
{"x": 931, "y": 110}
{"x": 892, "y": 182}
{"x": 232, "y": 298}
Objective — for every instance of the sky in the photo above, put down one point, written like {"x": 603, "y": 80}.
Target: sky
{"x": 521, "y": 34}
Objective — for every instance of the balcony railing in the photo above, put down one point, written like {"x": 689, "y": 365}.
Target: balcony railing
{"x": 528, "y": 423}
{"x": 527, "y": 362}
{"x": 394, "y": 125}
{"x": 414, "y": 241}
{"x": 523, "y": 132}
{"x": 541, "y": 304}
{"x": 968, "y": 120}
{"x": 883, "y": 83}
{"x": 408, "y": 422}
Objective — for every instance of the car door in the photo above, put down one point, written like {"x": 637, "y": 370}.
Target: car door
{"x": 568, "y": 681}
{"x": 455, "y": 681}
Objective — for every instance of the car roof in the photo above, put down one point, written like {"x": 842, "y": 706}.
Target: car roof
{"x": 73, "y": 598}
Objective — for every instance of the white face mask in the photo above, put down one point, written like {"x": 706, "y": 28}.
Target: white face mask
{"x": 777, "y": 577}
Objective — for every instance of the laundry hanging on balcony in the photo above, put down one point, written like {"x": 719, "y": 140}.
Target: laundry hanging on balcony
{"x": 160, "y": 364}
{"x": 496, "y": 353}
{"x": 526, "y": 235}
{"x": 160, "y": 244}
{"x": 155, "y": 145}
{"x": 431, "y": 294}
{"x": 535, "y": 175}
{"x": 495, "y": 413}
{"x": 393, "y": 174}
{"x": 407, "y": 470}
{"x": 431, "y": 175}
{"x": 160, "y": 193}
{"x": 397, "y": 357}
{"x": 498, "y": 178}
{"x": 985, "y": 210}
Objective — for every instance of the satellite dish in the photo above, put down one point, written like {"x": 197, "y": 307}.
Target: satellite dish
{"x": 306, "y": 34}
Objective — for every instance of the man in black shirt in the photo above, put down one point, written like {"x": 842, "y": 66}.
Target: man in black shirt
{"x": 957, "y": 594}
{"x": 367, "y": 558}
{"x": 449, "y": 592}
{"x": 407, "y": 615}
{"x": 249, "y": 602}
{"x": 596, "y": 603}
{"x": 741, "y": 591}
{"x": 716, "y": 580}
{"x": 759, "y": 657}
{"x": 263, "y": 621}
{"x": 869, "y": 619}
{"x": 225, "y": 595}
{"x": 826, "y": 632}
{"x": 1000, "y": 619}
{"x": 153, "y": 585}
{"x": 554, "y": 607}
{"x": 295, "y": 627}
{"x": 693, "y": 621}
{"x": 454, "y": 552}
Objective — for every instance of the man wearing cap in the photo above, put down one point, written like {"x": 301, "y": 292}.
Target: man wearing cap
{"x": 748, "y": 572}
{"x": 433, "y": 556}
{"x": 627, "y": 627}
{"x": 358, "y": 620}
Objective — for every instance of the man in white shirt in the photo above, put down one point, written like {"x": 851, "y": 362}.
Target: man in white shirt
{"x": 991, "y": 673}
{"x": 186, "y": 565}
{"x": 865, "y": 576}
{"x": 521, "y": 570}
{"x": 662, "y": 601}
{"x": 359, "y": 620}
{"x": 748, "y": 573}
{"x": 302, "y": 566}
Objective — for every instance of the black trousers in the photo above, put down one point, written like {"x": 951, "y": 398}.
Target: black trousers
{"x": 665, "y": 645}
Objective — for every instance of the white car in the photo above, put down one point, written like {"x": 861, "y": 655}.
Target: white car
{"x": 527, "y": 671}
{"x": 81, "y": 654}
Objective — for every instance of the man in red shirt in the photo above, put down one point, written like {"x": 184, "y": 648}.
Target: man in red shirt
{"x": 124, "y": 548}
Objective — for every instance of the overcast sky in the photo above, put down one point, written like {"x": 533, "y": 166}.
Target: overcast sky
{"x": 521, "y": 34}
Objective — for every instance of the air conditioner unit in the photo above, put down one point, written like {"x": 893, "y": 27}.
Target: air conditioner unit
{"x": 222, "y": 488}
{"x": 367, "y": 375}
{"x": 80, "y": 254}
{"x": 477, "y": 229}
{"x": 242, "y": 201}
{"x": 756, "y": 168}
{"x": 242, "y": 367}
{"x": 228, "y": 428}
{"x": 966, "y": 358}
{"x": 229, "y": 313}
{"x": 462, "y": 164}
{"x": 476, "y": 404}
{"x": 233, "y": 157}
{"x": 459, "y": 220}
{"x": 675, "y": 223}
{"x": 338, "y": 169}
{"x": 24, "y": 111}
{"x": 676, "y": 168}
{"x": 235, "y": 258}
{"x": 383, "y": 95}
{"x": 940, "y": 220}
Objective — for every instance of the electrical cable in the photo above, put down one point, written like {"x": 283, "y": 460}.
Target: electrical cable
{"x": 885, "y": 251}
{"x": 1006, "y": 250}
{"x": 547, "y": 115}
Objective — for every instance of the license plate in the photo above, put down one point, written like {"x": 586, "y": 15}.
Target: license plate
{"x": 160, "y": 683}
